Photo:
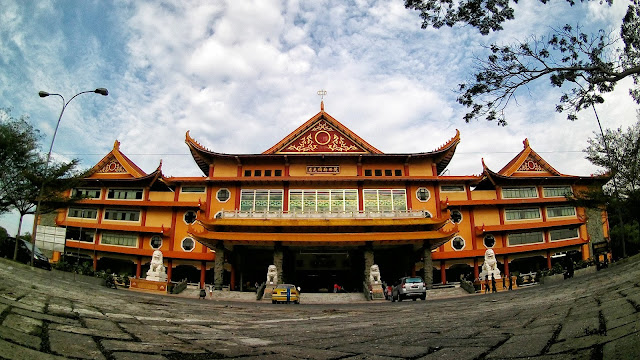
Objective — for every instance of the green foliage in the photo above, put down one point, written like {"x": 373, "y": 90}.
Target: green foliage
{"x": 3, "y": 234}
{"x": 589, "y": 64}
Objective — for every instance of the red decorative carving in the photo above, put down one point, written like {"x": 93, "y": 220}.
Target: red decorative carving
{"x": 323, "y": 138}
{"x": 113, "y": 166}
{"x": 530, "y": 165}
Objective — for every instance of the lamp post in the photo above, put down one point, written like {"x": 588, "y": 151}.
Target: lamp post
{"x": 42, "y": 94}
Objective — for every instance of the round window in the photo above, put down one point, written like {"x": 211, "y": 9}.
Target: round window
{"x": 156, "y": 242}
{"x": 190, "y": 217}
{"x": 489, "y": 241}
{"x": 223, "y": 195}
{"x": 423, "y": 194}
{"x": 457, "y": 243}
{"x": 188, "y": 244}
{"x": 456, "y": 216}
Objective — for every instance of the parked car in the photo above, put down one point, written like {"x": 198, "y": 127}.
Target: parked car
{"x": 409, "y": 287}
{"x": 24, "y": 253}
{"x": 285, "y": 293}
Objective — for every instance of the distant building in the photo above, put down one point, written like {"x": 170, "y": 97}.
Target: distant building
{"x": 323, "y": 205}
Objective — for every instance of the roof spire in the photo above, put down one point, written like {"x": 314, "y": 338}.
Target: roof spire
{"x": 526, "y": 143}
{"x": 322, "y": 93}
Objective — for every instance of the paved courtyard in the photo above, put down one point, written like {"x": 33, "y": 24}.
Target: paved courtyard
{"x": 595, "y": 316}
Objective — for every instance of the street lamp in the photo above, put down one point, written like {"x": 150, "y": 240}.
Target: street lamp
{"x": 42, "y": 94}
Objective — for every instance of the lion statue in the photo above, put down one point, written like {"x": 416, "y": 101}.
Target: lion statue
{"x": 157, "y": 270}
{"x": 272, "y": 275}
{"x": 490, "y": 266}
{"x": 374, "y": 275}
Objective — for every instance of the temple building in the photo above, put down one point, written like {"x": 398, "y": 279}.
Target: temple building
{"x": 323, "y": 205}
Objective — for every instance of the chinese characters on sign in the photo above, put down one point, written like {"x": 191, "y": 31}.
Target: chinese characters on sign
{"x": 331, "y": 169}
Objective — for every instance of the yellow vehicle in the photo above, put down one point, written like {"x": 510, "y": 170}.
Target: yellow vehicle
{"x": 285, "y": 293}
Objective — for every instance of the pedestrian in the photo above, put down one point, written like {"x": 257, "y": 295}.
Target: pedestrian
{"x": 510, "y": 283}
{"x": 486, "y": 284}
{"x": 493, "y": 284}
{"x": 503, "y": 285}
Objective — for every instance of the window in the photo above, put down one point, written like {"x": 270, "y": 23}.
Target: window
{"x": 193, "y": 189}
{"x": 78, "y": 234}
{"x": 398, "y": 172}
{"x": 257, "y": 172}
{"x": 190, "y": 217}
{"x": 261, "y": 200}
{"x": 86, "y": 193}
{"x": 331, "y": 200}
{"x": 520, "y": 192}
{"x": 123, "y": 215}
{"x": 367, "y": 172}
{"x": 557, "y": 211}
{"x": 120, "y": 239}
{"x": 378, "y": 172}
{"x": 83, "y": 213}
{"x": 218, "y": 215}
{"x": 489, "y": 241}
{"x": 557, "y": 191}
{"x": 223, "y": 195}
{"x": 423, "y": 194}
{"x": 525, "y": 238}
{"x": 388, "y": 173}
{"x": 385, "y": 200}
{"x": 452, "y": 188}
{"x": 156, "y": 242}
{"x": 247, "y": 173}
{"x": 522, "y": 214}
{"x": 278, "y": 172}
{"x": 188, "y": 244}
{"x": 267, "y": 173}
{"x": 457, "y": 243}
{"x": 563, "y": 234}
{"x": 456, "y": 216}
{"x": 125, "y": 194}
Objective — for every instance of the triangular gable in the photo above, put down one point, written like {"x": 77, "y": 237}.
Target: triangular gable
{"x": 528, "y": 163}
{"x": 115, "y": 165}
{"x": 322, "y": 134}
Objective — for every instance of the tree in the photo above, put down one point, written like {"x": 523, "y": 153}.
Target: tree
{"x": 590, "y": 64}
{"x": 25, "y": 172}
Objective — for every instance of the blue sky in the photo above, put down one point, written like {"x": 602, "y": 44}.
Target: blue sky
{"x": 240, "y": 75}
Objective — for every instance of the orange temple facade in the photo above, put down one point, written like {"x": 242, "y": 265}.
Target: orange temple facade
{"x": 323, "y": 205}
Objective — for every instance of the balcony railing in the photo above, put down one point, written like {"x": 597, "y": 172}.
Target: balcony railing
{"x": 323, "y": 215}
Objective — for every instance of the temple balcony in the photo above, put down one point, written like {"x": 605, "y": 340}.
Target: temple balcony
{"x": 397, "y": 214}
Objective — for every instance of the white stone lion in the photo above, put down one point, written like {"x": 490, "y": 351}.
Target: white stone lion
{"x": 157, "y": 270}
{"x": 272, "y": 275}
{"x": 374, "y": 275}
{"x": 490, "y": 266}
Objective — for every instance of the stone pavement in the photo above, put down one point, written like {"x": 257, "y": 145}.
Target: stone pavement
{"x": 596, "y": 316}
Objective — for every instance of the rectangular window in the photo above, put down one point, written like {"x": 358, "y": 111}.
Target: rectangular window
{"x": 261, "y": 200}
{"x": 193, "y": 189}
{"x": 247, "y": 173}
{"x": 257, "y": 172}
{"x": 125, "y": 194}
{"x": 519, "y": 192}
{"x": 557, "y": 211}
{"x": 86, "y": 193}
{"x": 83, "y": 213}
{"x": 388, "y": 173}
{"x": 367, "y": 172}
{"x": 452, "y": 188}
{"x": 87, "y": 235}
{"x": 563, "y": 234}
{"x": 322, "y": 201}
{"x": 525, "y": 238}
{"x": 278, "y": 172}
{"x": 122, "y": 215}
{"x": 398, "y": 172}
{"x": 385, "y": 200}
{"x": 522, "y": 214}
{"x": 557, "y": 191}
{"x": 267, "y": 173}
{"x": 378, "y": 172}
{"x": 120, "y": 239}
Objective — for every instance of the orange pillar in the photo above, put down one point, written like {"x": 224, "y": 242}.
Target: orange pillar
{"x": 232, "y": 286}
{"x": 476, "y": 272}
{"x": 443, "y": 272}
{"x": 139, "y": 267}
{"x": 169, "y": 268}
{"x": 95, "y": 262}
{"x": 506, "y": 266}
{"x": 548, "y": 259}
{"x": 203, "y": 269}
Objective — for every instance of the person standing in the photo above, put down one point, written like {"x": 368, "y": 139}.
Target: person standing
{"x": 493, "y": 284}
{"x": 486, "y": 284}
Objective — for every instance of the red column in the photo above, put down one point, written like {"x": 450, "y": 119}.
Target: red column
{"x": 95, "y": 262}
{"x": 169, "y": 268}
{"x": 506, "y": 266}
{"x": 443, "y": 273}
{"x": 548, "y": 259}
{"x": 203, "y": 269}
{"x": 476, "y": 272}
{"x": 139, "y": 267}
{"x": 233, "y": 278}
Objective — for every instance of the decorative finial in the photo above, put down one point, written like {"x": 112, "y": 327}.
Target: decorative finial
{"x": 526, "y": 143}
{"x": 116, "y": 145}
{"x": 322, "y": 93}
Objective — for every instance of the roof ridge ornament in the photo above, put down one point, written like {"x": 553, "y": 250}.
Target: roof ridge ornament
{"x": 322, "y": 93}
